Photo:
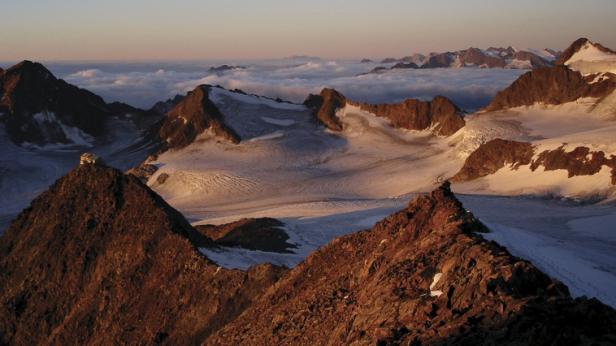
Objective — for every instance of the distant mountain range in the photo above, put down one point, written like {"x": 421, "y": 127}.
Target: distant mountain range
{"x": 473, "y": 57}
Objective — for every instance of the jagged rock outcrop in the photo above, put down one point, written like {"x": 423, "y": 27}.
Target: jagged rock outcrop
{"x": 99, "y": 258}
{"x": 489, "y": 157}
{"x": 163, "y": 107}
{"x": 551, "y": 85}
{"x": 579, "y": 161}
{"x": 144, "y": 170}
{"x": 38, "y": 107}
{"x": 440, "y": 113}
{"x": 439, "y": 60}
{"x": 263, "y": 234}
{"x": 324, "y": 107}
{"x": 533, "y": 59}
{"x": 476, "y": 57}
{"x": 193, "y": 115}
{"x": 421, "y": 276}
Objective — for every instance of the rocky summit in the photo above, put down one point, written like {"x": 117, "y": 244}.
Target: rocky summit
{"x": 422, "y": 276}
{"x": 191, "y": 116}
{"x": 101, "y": 259}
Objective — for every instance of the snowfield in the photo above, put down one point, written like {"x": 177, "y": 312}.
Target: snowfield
{"x": 323, "y": 184}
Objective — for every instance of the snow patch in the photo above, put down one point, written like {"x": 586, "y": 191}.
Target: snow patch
{"x": 279, "y": 122}
{"x": 435, "y": 280}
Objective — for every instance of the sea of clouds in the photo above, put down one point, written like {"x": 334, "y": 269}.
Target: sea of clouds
{"x": 143, "y": 84}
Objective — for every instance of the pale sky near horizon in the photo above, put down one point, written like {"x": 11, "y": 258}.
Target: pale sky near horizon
{"x": 204, "y": 29}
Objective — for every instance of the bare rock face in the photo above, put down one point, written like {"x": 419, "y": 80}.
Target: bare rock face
{"x": 163, "y": 107}
{"x": 421, "y": 276}
{"x": 439, "y": 60}
{"x": 492, "y": 156}
{"x": 497, "y": 153}
{"x": 476, "y": 57}
{"x": 90, "y": 159}
{"x": 579, "y": 161}
{"x": 263, "y": 234}
{"x": 414, "y": 114}
{"x": 143, "y": 172}
{"x": 37, "y": 104}
{"x": 99, "y": 258}
{"x": 551, "y": 85}
{"x": 193, "y": 115}
{"x": 324, "y": 107}
{"x": 534, "y": 60}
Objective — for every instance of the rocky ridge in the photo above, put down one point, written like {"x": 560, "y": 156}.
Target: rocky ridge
{"x": 422, "y": 276}
{"x": 440, "y": 114}
{"x": 99, "y": 258}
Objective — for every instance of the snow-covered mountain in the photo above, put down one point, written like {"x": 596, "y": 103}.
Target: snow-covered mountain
{"x": 589, "y": 58}
{"x": 565, "y": 118}
{"x": 474, "y": 57}
{"x": 38, "y": 109}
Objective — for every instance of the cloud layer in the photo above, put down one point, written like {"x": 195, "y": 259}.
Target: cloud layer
{"x": 292, "y": 79}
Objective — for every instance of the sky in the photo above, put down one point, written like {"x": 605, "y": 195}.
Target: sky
{"x": 202, "y": 29}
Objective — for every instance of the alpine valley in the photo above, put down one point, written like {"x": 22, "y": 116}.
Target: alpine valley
{"x": 225, "y": 217}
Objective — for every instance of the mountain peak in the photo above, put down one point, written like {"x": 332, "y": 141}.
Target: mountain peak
{"x": 577, "y": 46}
{"x": 31, "y": 67}
{"x": 100, "y": 251}
{"x": 45, "y": 109}
{"x": 418, "y": 277}
{"x": 193, "y": 115}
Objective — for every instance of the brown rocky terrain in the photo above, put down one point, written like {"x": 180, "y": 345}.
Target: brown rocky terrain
{"x": 421, "y": 276}
{"x": 264, "y": 234}
{"x": 413, "y": 114}
{"x": 101, "y": 259}
{"x": 579, "y": 161}
{"x": 439, "y": 60}
{"x": 492, "y": 156}
{"x": 477, "y": 57}
{"x": 163, "y": 107}
{"x": 534, "y": 59}
{"x": 324, "y": 107}
{"x": 576, "y": 46}
{"x": 551, "y": 85}
{"x": 410, "y": 114}
{"x": 497, "y": 153}
{"x": 193, "y": 115}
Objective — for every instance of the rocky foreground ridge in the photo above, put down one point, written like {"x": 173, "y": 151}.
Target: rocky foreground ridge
{"x": 100, "y": 258}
